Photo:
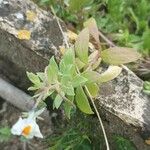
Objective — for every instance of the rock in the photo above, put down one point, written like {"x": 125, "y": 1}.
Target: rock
{"x": 126, "y": 108}
{"x": 29, "y": 36}
{"x": 19, "y": 52}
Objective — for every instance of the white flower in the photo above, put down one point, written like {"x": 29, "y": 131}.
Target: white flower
{"x": 28, "y": 126}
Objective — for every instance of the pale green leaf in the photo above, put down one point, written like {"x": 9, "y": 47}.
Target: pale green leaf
{"x": 33, "y": 88}
{"x": 68, "y": 70}
{"x": 34, "y": 78}
{"x": 81, "y": 45}
{"x": 57, "y": 101}
{"x": 79, "y": 63}
{"x": 111, "y": 73}
{"x": 82, "y": 101}
{"x": 69, "y": 57}
{"x": 41, "y": 75}
{"x": 52, "y": 71}
{"x": 119, "y": 55}
{"x": 93, "y": 89}
{"x": 66, "y": 85}
{"x": 92, "y": 76}
{"x": 78, "y": 80}
{"x": 69, "y": 90}
{"x": 68, "y": 107}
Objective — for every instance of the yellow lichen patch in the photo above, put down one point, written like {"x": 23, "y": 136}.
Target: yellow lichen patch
{"x": 31, "y": 16}
{"x": 147, "y": 141}
{"x": 24, "y": 34}
{"x": 62, "y": 49}
{"x": 72, "y": 36}
{"x": 26, "y": 130}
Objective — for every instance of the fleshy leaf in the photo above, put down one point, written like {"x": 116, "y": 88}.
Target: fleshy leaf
{"x": 78, "y": 80}
{"x": 33, "y": 88}
{"x": 69, "y": 57}
{"x": 68, "y": 107}
{"x": 82, "y": 101}
{"x": 69, "y": 90}
{"x": 67, "y": 86}
{"x": 57, "y": 102}
{"x": 119, "y": 55}
{"x": 91, "y": 24}
{"x": 52, "y": 71}
{"x": 92, "y": 76}
{"x": 41, "y": 75}
{"x": 111, "y": 73}
{"x": 93, "y": 89}
{"x": 79, "y": 63}
{"x": 34, "y": 78}
{"x": 81, "y": 45}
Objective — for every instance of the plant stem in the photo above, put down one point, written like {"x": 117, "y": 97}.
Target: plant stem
{"x": 57, "y": 19}
{"x": 99, "y": 118}
{"x": 67, "y": 100}
{"x": 110, "y": 43}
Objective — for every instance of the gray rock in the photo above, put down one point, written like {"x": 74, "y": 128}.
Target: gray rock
{"x": 26, "y": 55}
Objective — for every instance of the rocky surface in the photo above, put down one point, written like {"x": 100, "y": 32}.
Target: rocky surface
{"x": 26, "y": 53}
{"x": 124, "y": 107}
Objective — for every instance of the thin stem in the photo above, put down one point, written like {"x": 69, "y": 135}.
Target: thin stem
{"x": 57, "y": 19}
{"x": 39, "y": 99}
{"x": 106, "y": 39}
{"x": 67, "y": 100}
{"x": 99, "y": 118}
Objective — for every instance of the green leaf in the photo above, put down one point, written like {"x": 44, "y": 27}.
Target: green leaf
{"x": 68, "y": 70}
{"x": 119, "y": 55}
{"x": 91, "y": 24}
{"x": 33, "y": 88}
{"x": 52, "y": 71}
{"x": 67, "y": 64}
{"x": 82, "y": 101}
{"x": 69, "y": 57}
{"x": 111, "y": 73}
{"x": 77, "y": 5}
{"x": 69, "y": 90}
{"x": 81, "y": 45}
{"x": 92, "y": 76}
{"x": 93, "y": 89}
{"x": 41, "y": 75}
{"x": 66, "y": 85}
{"x": 79, "y": 63}
{"x": 68, "y": 107}
{"x": 146, "y": 43}
{"x": 34, "y": 79}
{"x": 123, "y": 144}
{"x": 78, "y": 80}
{"x": 5, "y": 134}
{"x": 57, "y": 101}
